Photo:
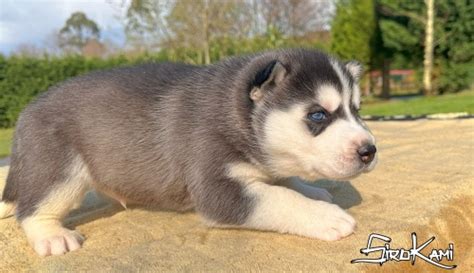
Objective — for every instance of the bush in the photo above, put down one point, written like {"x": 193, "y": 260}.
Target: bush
{"x": 23, "y": 78}
{"x": 455, "y": 77}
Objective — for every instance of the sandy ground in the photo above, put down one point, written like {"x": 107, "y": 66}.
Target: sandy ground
{"x": 423, "y": 184}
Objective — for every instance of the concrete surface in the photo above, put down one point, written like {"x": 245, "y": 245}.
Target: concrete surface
{"x": 423, "y": 184}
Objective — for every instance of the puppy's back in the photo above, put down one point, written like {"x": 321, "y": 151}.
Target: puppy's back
{"x": 110, "y": 119}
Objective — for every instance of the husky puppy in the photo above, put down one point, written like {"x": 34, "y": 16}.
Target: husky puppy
{"x": 227, "y": 140}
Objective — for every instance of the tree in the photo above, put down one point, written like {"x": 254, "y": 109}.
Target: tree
{"x": 445, "y": 40}
{"x": 145, "y": 24}
{"x": 212, "y": 21}
{"x": 77, "y": 31}
{"x": 401, "y": 28}
{"x": 203, "y": 30}
{"x": 353, "y": 29}
{"x": 356, "y": 35}
{"x": 453, "y": 45}
{"x": 404, "y": 28}
{"x": 292, "y": 17}
{"x": 428, "y": 57}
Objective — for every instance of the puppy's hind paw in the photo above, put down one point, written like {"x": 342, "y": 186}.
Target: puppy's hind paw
{"x": 61, "y": 243}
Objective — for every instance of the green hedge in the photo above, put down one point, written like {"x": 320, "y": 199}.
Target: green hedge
{"x": 22, "y": 78}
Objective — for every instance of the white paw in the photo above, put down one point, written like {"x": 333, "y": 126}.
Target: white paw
{"x": 330, "y": 223}
{"x": 63, "y": 241}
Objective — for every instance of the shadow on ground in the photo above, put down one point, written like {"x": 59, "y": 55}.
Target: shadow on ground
{"x": 343, "y": 192}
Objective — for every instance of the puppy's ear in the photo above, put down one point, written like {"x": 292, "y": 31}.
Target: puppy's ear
{"x": 273, "y": 73}
{"x": 355, "y": 68}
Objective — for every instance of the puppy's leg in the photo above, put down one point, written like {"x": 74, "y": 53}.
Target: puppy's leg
{"x": 307, "y": 190}
{"x": 43, "y": 226}
{"x": 257, "y": 205}
{"x": 284, "y": 210}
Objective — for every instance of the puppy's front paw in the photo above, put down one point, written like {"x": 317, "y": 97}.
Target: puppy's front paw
{"x": 331, "y": 223}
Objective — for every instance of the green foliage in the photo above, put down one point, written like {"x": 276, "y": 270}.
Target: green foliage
{"x": 353, "y": 29}
{"x": 455, "y": 30}
{"x": 6, "y": 136}
{"x": 455, "y": 45}
{"x": 454, "y": 76}
{"x": 402, "y": 25}
{"x": 401, "y": 30}
{"x": 23, "y": 78}
{"x": 396, "y": 36}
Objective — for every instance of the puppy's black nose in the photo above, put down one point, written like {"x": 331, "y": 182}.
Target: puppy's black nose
{"x": 367, "y": 153}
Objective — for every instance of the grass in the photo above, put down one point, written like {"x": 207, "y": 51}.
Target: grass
{"x": 460, "y": 102}
{"x": 5, "y": 142}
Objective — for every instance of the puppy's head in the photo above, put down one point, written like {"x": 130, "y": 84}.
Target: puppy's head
{"x": 306, "y": 117}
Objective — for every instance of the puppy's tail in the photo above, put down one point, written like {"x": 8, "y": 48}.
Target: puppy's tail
{"x": 6, "y": 209}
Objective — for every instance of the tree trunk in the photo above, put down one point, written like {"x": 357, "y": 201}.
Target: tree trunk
{"x": 256, "y": 20}
{"x": 368, "y": 84}
{"x": 386, "y": 79}
{"x": 207, "y": 53}
{"x": 428, "y": 58}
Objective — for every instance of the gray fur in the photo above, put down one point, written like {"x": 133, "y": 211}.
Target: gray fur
{"x": 158, "y": 134}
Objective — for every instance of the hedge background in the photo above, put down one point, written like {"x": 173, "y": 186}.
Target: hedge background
{"x": 22, "y": 78}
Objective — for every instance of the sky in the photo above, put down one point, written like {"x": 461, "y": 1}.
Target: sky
{"x": 33, "y": 21}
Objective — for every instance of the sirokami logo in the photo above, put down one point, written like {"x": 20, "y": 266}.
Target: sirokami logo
{"x": 399, "y": 255}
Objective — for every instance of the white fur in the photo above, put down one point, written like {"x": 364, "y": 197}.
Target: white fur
{"x": 346, "y": 92}
{"x": 356, "y": 96}
{"x": 247, "y": 173}
{"x": 336, "y": 150}
{"x": 329, "y": 97}
{"x": 44, "y": 229}
{"x": 293, "y": 151}
{"x": 49, "y": 237}
{"x": 355, "y": 69}
{"x": 286, "y": 211}
{"x": 288, "y": 144}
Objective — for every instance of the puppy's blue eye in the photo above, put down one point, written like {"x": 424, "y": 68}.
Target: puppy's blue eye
{"x": 318, "y": 116}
